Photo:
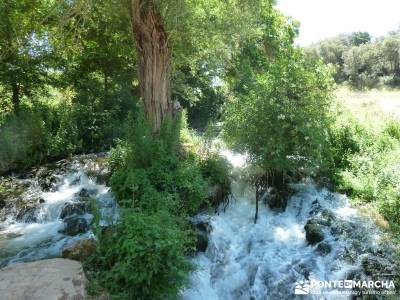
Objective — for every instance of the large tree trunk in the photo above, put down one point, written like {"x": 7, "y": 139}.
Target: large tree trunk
{"x": 154, "y": 62}
{"x": 15, "y": 97}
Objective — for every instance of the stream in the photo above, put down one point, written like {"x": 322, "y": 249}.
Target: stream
{"x": 52, "y": 209}
{"x": 271, "y": 259}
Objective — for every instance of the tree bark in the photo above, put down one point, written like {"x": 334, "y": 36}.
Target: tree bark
{"x": 154, "y": 62}
{"x": 15, "y": 96}
{"x": 257, "y": 198}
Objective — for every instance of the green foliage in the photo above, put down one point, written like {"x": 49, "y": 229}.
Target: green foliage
{"x": 392, "y": 129}
{"x": 369, "y": 166}
{"x": 49, "y": 130}
{"x": 196, "y": 89}
{"x": 360, "y": 62}
{"x": 281, "y": 110}
{"x": 66, "y": 84}
{"x": 216, "y": 169}
{"x": 145, "y": 255}
{"x": 24, "y": 50}
{"x": 331, "y": 52}
{"x": 152, "y": 176}
{"x": 345, "y": 135}
{"x": 360, "y": 38}
{"x": 142, "y": 257}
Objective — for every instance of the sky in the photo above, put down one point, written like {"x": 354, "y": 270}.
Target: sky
{"x": 326, "y": 18}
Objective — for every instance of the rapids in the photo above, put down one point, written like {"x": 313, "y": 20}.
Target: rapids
{"x": 243, "y": 260}
{"x": 39, "y": 233}
{"x": 267, "y": 260}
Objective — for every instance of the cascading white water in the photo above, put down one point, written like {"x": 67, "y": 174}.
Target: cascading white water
{"x": 244, "y": 260}
{"x": 44, "y": 238}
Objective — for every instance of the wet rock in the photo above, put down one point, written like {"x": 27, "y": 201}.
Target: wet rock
{"x": 355, "y": 274}
{"x": 45, "y": 279}
{"x": 75, "y": 225}
{"x": 203, "y": 226}
{"x": 315, "y": 208}
{"x": 203, "y": 229}
{"x": 202, "y": 241}
{"x": 277, "y": 200}
{"x": 70, "y": 209}
{"x": 2, "y": 203}
{"x": 41, "y": 200}
{"x": 374, "y": 266}
{"x": 303, "y": 269}
{"x": 47, "y": 182}
{"x": 340, "y": 227}
{"x": 85, "y": 194}
{"x": 27, "y": 215}
{"x": 327, "y": 217}
{"x": 314, "y": 232}
{"x": 80, "y": 250}
{"x": 323, "y": 248}
{"x": 76, "y": 181}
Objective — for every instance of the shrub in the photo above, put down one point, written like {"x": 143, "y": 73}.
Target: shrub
{"x": 282, "y": 119}
{"x": 369, "y": 168}
{"x": 216, "y": 169}
{"x": 48, "y": 130}
{"x": 150, "y": 175}
{"x": 392, "y": 128}
{"x": 143, "y": 257}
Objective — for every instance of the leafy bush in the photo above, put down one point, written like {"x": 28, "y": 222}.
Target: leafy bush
{"x": 369, "y": 166}
{"x": 50, "y": 130}
{"x": 392, "y": 128}
{"x": 149, "y": 174}
{"x": 282, "y": 118}
{"x": 143, "y": 257}
{"x": 216, "y": 169}
{"x": 346, "y": 138}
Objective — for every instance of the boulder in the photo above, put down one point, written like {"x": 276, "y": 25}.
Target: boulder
{"x": 70, "y": 209}
{"x": 80, "y": 250}
{"x": 2, "y": 203}
{"x": 27, "y": 215}
{"x": 277, "y": 200}
{"x": 47, "y": 180}
{"x": 315, "y": 208}
{"x": 84, "y": 193}
{"x": 75, "y": 225}
{"x": 45, "y": 279}
{"x": 314, "y": 232}
{"x": 323, "y": 248}
{"x": 202, "y": 228}
{"x": 373, "y": 265}
{"x": 340, "y": 227}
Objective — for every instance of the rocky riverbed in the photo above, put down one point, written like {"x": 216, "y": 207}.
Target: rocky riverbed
{"x": 318, "y": 237}
{"x": 51, "y": 207}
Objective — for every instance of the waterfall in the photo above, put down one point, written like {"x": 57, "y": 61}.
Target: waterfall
{"x": 268, "y": 260}
{"x": 40, "y": 231}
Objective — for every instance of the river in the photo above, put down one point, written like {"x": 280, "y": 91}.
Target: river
{"x": 243, "y": 260}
